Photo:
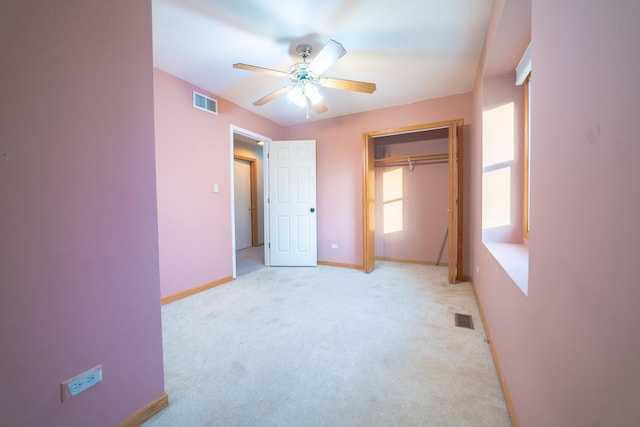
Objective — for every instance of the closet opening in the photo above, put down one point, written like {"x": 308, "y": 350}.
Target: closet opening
{"x": 412, "y": 188}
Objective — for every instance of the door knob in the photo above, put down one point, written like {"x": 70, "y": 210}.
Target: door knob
{"x": 312, "y": 210}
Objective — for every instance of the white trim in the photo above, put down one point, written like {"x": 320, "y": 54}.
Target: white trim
{"x": 524, "y": 66}
{"x": 233, "y": 130}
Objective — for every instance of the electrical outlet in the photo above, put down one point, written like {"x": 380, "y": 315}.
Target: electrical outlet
{"x": 76, "y": 385}
{"x": 334, "y": 246}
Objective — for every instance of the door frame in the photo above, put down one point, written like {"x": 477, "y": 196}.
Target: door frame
{"x": 253, "y": 194}
{"x": 233, "y": 129}
{"x": 455, "y": 192}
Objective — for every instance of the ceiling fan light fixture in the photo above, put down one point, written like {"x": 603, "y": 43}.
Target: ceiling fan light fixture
{"x": 312, "y": 93}
{"x": 297, "y": 96}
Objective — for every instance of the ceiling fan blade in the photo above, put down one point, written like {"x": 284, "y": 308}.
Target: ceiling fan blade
{"x": 320, "y": 107}
{"x": 272, "y": 95}
{"x": 348, "y": 85}
{"x": 261, "y": 70}
{"x": 328, "y": 56}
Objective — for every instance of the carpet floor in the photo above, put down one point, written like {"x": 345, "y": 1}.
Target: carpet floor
{"x": 327, "y": 346}
{"x": 249, "y": 259}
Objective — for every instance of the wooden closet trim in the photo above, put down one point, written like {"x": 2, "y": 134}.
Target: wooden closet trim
{"x": 455, "y": 192}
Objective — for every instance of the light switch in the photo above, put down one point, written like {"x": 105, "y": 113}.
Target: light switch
{"x": 215, "y": 188}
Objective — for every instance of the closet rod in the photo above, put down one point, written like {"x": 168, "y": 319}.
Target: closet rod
{"x": 404, "y": 163}
{"x": 416, "y": 158}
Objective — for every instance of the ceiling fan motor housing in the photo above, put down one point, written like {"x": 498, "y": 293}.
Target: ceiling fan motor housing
{"x": 300, "y": 72}
{"x": 304, "y": 50}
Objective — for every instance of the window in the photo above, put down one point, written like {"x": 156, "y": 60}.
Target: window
{"x": 506, "y": 142}
{"x": 498, "y": 168}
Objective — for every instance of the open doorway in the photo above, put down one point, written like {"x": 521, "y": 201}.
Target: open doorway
{"x": 451, "y": 134}
{"x": 246, "y": 200}
{"x": 247, "y": 156}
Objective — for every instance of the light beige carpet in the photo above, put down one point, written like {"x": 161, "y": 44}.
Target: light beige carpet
{"x": 249, "y": 259}
{"x": 326, "y": 346}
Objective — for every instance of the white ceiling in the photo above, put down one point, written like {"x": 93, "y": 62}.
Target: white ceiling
{"x": 412, "y": 49}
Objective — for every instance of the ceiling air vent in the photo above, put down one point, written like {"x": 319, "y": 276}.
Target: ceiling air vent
{"x": 205, "y": 103}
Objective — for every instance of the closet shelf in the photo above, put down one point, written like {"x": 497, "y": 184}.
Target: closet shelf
{"x": 416, "y": 158}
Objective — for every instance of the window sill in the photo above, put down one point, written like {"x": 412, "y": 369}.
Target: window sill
{"x": 514, "y": 259}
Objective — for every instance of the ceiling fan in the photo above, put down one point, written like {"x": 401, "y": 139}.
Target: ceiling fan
{"x": 306, "y": 76}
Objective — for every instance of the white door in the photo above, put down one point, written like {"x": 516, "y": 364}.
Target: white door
{"x": 242, "y": 197}
{"x": 292, "y": 203}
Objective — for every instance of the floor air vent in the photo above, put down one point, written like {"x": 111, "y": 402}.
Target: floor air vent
{"x": 205, "y": 103}
{"x": 464, "y": 321}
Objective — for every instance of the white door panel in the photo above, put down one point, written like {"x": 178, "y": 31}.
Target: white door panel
{"x": 292, "y": 188}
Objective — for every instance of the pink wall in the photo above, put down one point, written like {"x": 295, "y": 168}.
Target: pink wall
{"x": 569, "y": 351}
{"x": 193, "y": 152}
{"x": 339, "y": 159}
{"x": 80, "y": 282}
